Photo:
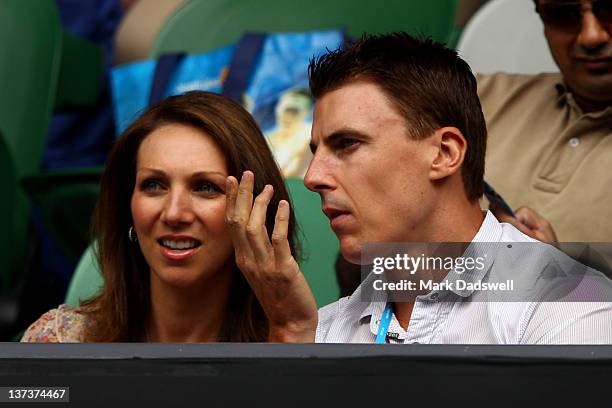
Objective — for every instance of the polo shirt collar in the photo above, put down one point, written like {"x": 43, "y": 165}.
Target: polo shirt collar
{"x": 565, "y": 97}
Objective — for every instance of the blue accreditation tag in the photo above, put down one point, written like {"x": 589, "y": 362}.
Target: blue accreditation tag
{"x": 383, "y": 328}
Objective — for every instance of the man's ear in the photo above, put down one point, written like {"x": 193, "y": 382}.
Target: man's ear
{"x": 452, "y": 147}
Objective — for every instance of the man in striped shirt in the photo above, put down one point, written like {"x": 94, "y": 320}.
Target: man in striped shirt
{"x": 399, "y": 141}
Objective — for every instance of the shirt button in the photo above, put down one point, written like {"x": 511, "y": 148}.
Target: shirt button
{"x": 574, "y": 142}
{"x": 434, "y": 296}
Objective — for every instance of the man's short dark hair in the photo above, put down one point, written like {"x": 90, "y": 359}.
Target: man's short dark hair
{"x": 429, "y": 84}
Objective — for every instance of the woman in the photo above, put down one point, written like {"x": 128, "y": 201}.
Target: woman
{"x": 165, "y": 250}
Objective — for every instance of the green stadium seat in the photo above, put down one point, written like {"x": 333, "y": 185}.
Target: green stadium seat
{"x": 204, "y": 25}
{"x": 30, "y": 38}
{"x": 41, "y": 68}
{"x": 86, "y": 280}
{"x": 80, "y": 72}
{"x": 318, "y": 243}
{"x": 67, "y": 199}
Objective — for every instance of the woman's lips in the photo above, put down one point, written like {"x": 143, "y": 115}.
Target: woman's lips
{"x": 178, "y": 254}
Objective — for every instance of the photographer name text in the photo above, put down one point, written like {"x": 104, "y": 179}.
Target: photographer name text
{"x": 459, "y": 284}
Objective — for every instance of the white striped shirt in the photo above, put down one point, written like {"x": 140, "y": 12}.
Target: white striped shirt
{"x": 352, "y": 320}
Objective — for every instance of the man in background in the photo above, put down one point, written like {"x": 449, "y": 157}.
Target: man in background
{"x": 549, "y": 148}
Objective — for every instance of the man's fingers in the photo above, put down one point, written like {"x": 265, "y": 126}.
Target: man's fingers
{"x": 541, "y": 227}
{"x": 282, "y": 251}
{"x": 256, "y": 228}
{"x": 527, "y": 216}
{"x": 504, "y": 216}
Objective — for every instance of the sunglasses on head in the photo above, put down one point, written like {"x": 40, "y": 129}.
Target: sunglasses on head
{"x": 568, "y": 14}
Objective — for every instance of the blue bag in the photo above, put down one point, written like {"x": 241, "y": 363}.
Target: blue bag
{"x": 131, "y": 84}
{"x": 266, "y": 73}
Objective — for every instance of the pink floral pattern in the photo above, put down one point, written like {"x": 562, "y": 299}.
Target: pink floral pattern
{"x": 62, "y": 325}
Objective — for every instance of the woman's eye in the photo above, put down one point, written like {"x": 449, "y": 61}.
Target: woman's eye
{"x": 151, "y": 185}
{"x": 207, "y": 187}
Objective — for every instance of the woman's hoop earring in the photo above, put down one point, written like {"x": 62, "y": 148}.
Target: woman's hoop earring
{"x": 132, "y": 234}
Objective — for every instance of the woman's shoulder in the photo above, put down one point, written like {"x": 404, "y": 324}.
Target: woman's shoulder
{"x": 62, "y": 325}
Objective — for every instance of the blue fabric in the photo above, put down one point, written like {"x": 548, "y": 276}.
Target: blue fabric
{"x": 82, "y": 137}
{"x": 280, "y": 66}
{"x": 166, "y": 65}
{"x": 283, "y": 66}
{"x": 243, "y": 64}
{"x": 131, "y": 83}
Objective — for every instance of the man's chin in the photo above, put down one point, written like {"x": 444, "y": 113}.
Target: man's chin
{"x": 596, "y": 86}
{"x": 351, "y": 250}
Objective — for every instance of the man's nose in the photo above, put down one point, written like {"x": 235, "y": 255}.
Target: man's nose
{"x": 593, "y": 33}
{"x": 178, "y": 208}
{"x": 318, "y": 177}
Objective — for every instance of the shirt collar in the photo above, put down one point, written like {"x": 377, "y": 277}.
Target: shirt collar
{"x": 376, "y": 306}
{"x": 373, "y": 314}
{"x": 490, "y": 232}
{"x": 565, "y": 97}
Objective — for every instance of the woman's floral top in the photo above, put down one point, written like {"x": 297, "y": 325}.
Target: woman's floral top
{"x": 62, "y": 325}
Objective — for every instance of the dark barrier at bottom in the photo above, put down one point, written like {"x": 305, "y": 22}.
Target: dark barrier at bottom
{"x": 313, "y": 376}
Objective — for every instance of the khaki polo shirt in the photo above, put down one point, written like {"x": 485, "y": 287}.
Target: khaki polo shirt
{"x": 545, "y": 153}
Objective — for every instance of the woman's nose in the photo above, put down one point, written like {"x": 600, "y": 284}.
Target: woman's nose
{"x": 178, "y": 209}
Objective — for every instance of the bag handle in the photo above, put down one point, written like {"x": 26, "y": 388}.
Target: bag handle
{"x": 243, "y": 64}
{"x": 164, "y": 69}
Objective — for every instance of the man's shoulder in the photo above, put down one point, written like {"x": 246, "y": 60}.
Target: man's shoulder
{"x": 343, "y": 313}
{"x": 328, "y": 313}
{"x": 498, "y": 90}
{"x": 502, "y": 81}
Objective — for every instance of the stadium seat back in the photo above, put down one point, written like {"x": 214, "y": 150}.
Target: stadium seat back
{"x": 204, "y": 25}
{"x": 506, "y": 36}
{"x": 67, "y": 199}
